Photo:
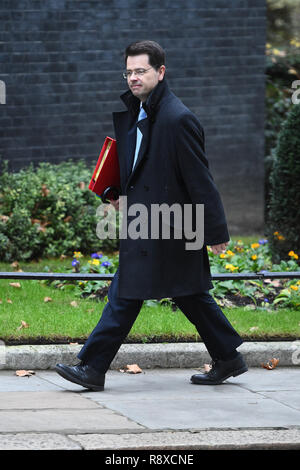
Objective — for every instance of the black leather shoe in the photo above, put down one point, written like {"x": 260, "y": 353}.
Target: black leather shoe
{"x": 82, "y": 374}
{"x": 220, "y": 371}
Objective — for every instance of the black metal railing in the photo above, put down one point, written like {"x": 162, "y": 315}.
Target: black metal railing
{"x": 108, "y": 277}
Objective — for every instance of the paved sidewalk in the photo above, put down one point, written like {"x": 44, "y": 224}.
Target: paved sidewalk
{"x": 157, "y": 409}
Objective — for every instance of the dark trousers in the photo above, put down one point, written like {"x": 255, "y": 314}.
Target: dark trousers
{"x": 119, "y": 314}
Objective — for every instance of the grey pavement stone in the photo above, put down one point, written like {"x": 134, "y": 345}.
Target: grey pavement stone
{"x": 157, "y": 401}
{"x": 164, "y": 355}
{"x": 65, "y": 421}
{"x": 37, "y": 441}
{"x": 10, "y": 382}
{"x": 164, "y": 399}
{"x": 45, "y": 400}
{"x": 212, "y": 440}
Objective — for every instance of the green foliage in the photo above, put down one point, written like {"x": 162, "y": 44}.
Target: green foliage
{"x": 239, "y": 257}
{"x": 283, "y": 218}
{"x": 48, "y": 211}
{"x": 282, "y": 69}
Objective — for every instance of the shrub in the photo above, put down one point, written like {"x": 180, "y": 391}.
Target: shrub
{"x": 48, "y": 211}
{"x": 283, "y": 227}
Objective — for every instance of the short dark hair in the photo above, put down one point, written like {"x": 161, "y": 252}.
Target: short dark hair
{"x": 153, "y": 49}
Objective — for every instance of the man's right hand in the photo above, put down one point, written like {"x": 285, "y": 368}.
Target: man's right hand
{"x": 115, "y": 203}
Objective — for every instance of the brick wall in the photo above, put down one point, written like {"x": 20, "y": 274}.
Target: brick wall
{"x": 61, "y": 62}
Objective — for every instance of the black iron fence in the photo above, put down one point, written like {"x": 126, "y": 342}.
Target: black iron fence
{"x": 24, "y": 276}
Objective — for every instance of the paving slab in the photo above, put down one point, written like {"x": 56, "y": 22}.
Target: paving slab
{"x": 9, "y": 382}
{"x": 45, "y": 400}
{"x": 65, "y": 421}
{"x": 158, "y": 402}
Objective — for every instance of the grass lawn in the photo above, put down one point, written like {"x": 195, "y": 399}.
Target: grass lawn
{"x": 59, "y": 319}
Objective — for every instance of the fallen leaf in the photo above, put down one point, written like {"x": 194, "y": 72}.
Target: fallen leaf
{"x": 271, "y": 364}
{"x": 74, "y": 303}
{"x": 15, "y": 264}
{"x": 0, "y": 301}
{"x": 276, "y": 283}
{"x": 133, "y": 369}
{"x": 15, "y": 284}
{"x": 23, "y": 325}
{"x": 9, "y": 301}
{"x": 254, "y": 328}
{"x": 24, "y": 373}
{"x": 47, "y": 299}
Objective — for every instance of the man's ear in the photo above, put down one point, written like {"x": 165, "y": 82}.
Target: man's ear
{"x": 162, "y": 71}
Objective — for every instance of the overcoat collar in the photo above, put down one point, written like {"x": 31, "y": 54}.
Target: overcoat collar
{"x": 152, "y": 103}
{"x": 151, "y": 107}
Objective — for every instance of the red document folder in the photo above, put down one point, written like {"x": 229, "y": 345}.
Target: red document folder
{"x": 106, "y": 177}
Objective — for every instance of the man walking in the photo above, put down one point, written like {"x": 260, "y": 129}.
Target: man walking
{"x": 162, "y": 160}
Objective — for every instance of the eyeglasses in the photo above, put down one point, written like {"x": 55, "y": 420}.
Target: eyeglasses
{"x": 137, "y": 72}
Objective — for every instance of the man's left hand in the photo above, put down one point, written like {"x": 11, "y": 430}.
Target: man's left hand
{"x": 217, "y": 249}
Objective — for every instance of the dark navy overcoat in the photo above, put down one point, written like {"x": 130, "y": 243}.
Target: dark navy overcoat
{"x": 171, "y": 168}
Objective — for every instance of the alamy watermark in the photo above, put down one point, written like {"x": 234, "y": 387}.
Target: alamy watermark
{"x": 296, "y": 352}
{"x": 2, "y": 354}
{"x": 2, "y": 92}
{"x": 162, "y": 221}
{"x": 295, "y": 99}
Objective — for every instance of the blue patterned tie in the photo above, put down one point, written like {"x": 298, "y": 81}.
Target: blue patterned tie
{"x": 139, "y": 136}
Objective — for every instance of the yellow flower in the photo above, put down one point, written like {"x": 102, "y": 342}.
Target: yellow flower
{"x": 230, "y": 253}
{"x": 77, "y": 254}
{"x": 293, "y": 254}
{"x": 268, "y": 45}
{"x": 254, "y": 256}
{"x": 222, "y": 255}
{"x": 231, "y": 267}
{"x": 294, "y": 287}
{"x": 298, "y": 282}
{"x": 96, "y": 262}
{"x": 255, "y": 245}
{"x": 278, "y": 52}
{"x": 295, "y": 43}
{"x": 278, "y": 236}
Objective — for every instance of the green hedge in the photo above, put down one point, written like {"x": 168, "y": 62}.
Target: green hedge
{"x": 48, "y": 211}
{"x": 283, "y": 215}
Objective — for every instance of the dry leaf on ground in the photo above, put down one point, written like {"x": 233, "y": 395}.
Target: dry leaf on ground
{"x": 24, "y": 373}
{"x": 23, "y": 325}
{"x": 15, "y": 284}
{"x": 15, "y": 264}
{"x": 132, "y": 369}
{"x": 74, "y": 303}
{"x": 207, "y": 367}
{"x": 271, "y": 364}
{"x": 47, "y": 299}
